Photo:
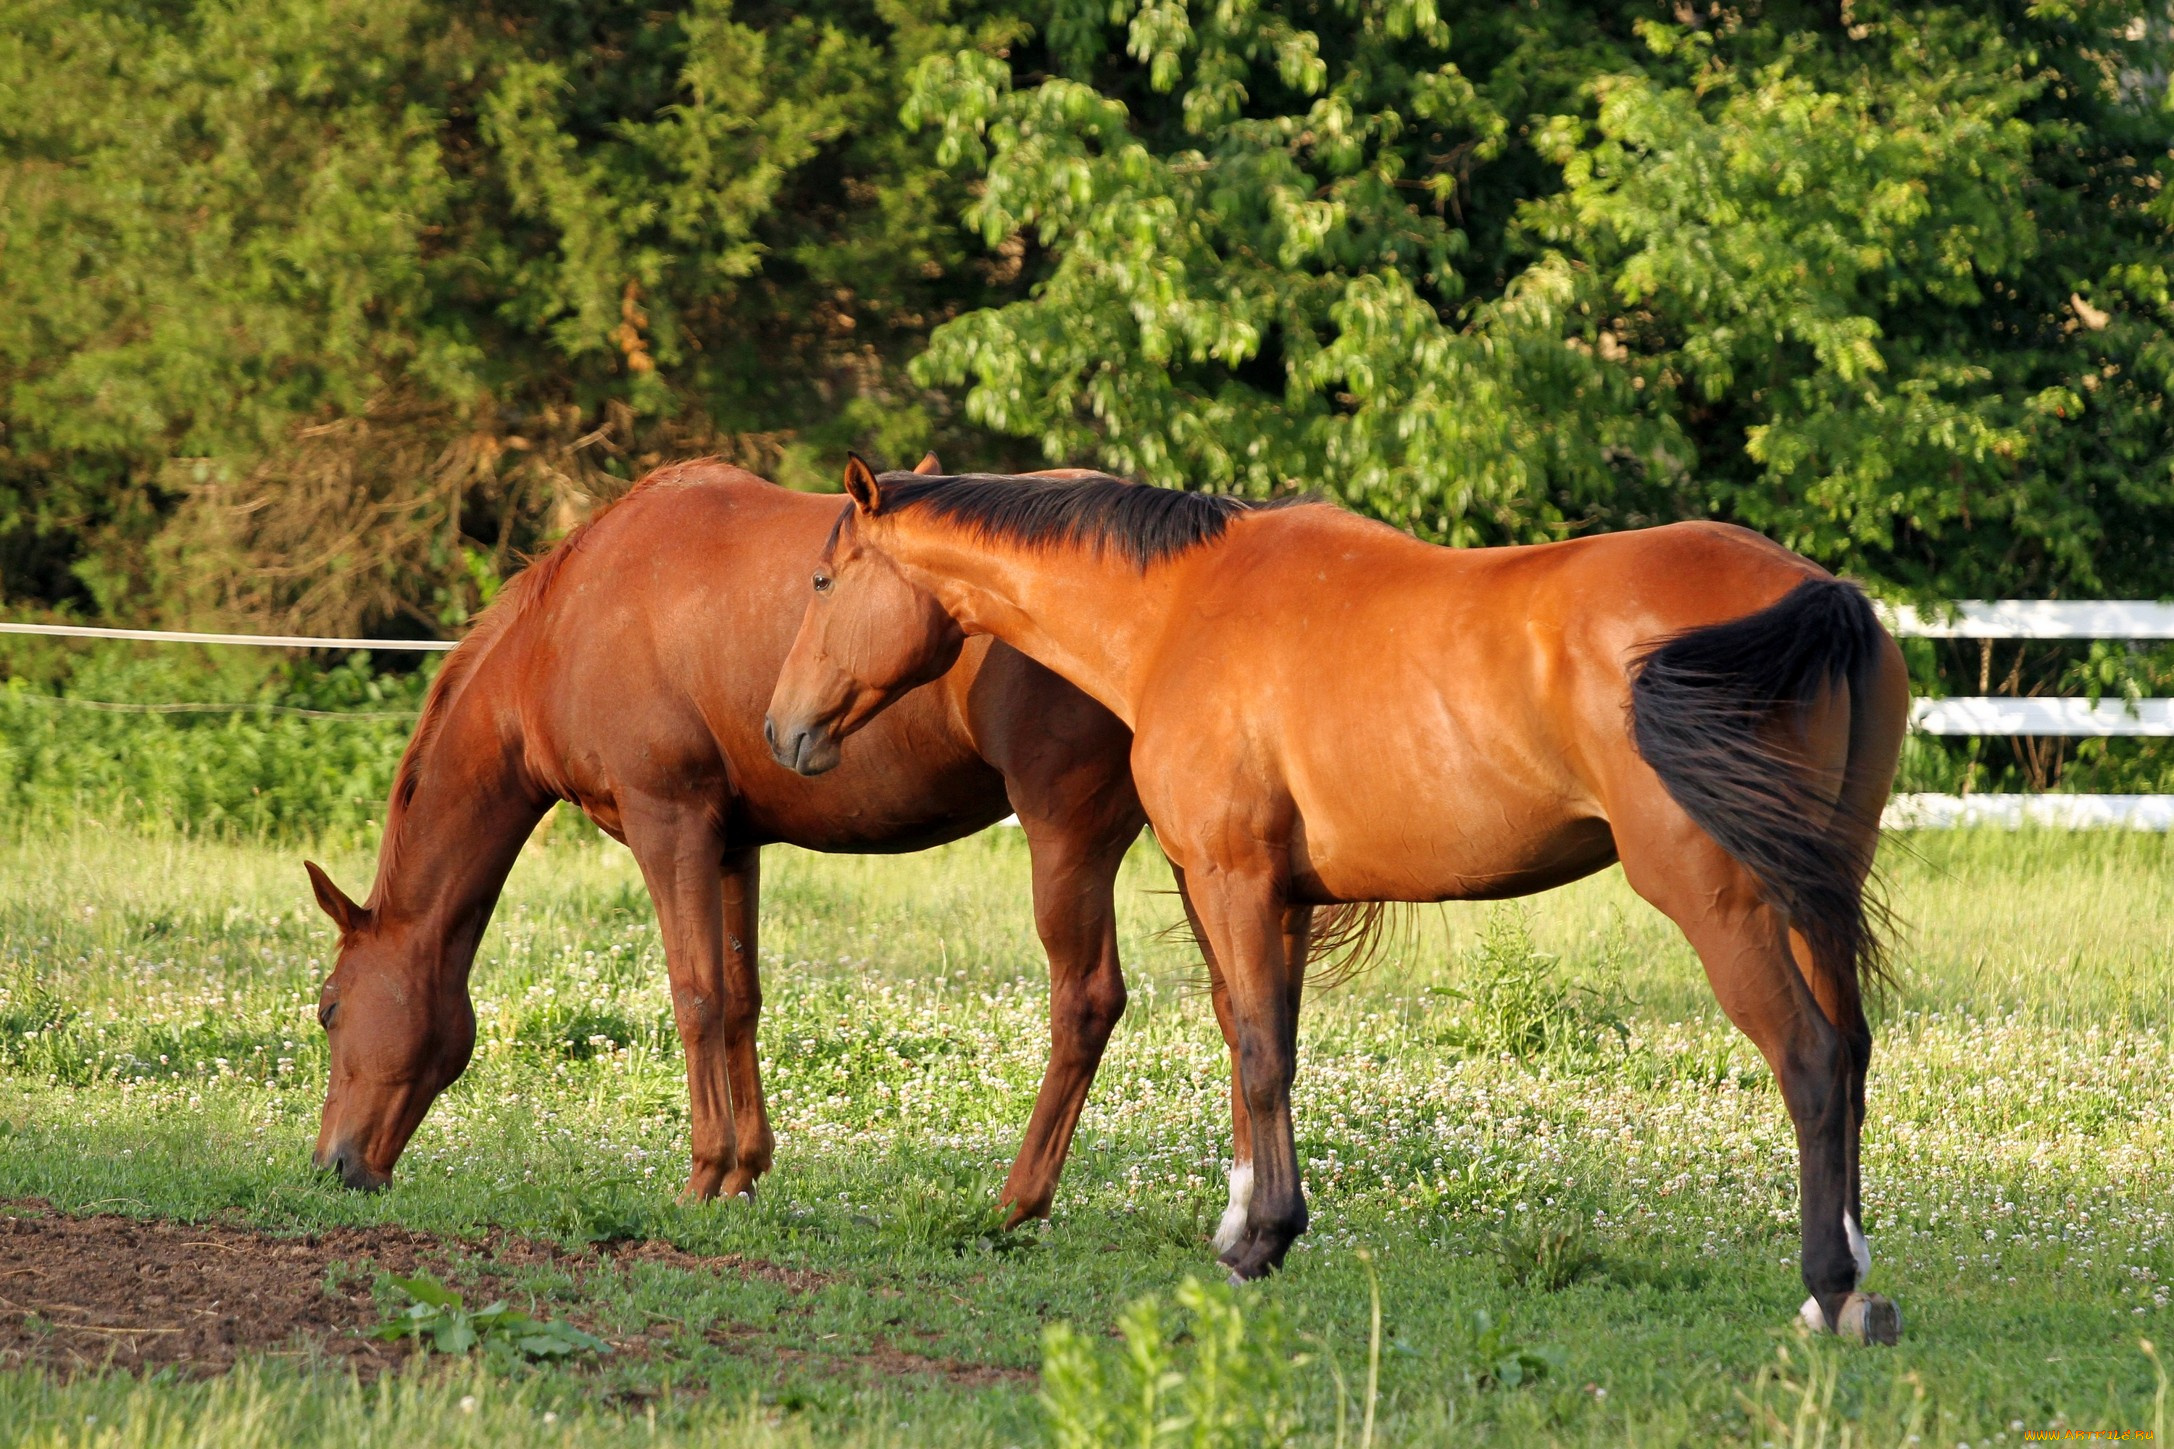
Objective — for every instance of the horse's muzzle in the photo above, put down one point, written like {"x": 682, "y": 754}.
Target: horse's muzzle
{"x": 346, "y": 1160}
{"x": 803, "y": 749}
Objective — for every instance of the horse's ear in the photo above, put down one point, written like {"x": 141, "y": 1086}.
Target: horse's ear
{"x": 345, "y": 913}
{"x": 928, "y": 464}
{"x": 862, "y": 485}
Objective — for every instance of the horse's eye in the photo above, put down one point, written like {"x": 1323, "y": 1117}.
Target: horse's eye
{"x": 822, "y": 583}
{"x": 326, "y": 1012}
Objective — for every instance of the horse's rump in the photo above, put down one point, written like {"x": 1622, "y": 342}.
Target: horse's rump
{"x": 1705, "y": 705}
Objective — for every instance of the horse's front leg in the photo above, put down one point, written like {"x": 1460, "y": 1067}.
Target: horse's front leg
{"x": 1243, "y": 917}
{"x": 679, "y": 852}
{"x": 1297, "y": 936}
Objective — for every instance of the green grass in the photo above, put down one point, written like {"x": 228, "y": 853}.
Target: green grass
{"x": 1627, "y": 1207}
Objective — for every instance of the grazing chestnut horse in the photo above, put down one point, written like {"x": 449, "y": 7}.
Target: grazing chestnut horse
{"x": 1327, "y": 710}
{"x": 627, "y": 671}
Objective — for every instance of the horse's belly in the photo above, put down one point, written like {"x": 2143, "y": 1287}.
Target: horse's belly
{"x": 1480, "y": 846}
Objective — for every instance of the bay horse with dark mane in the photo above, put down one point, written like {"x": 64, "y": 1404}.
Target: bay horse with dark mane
{"x": 1326, "y": 710}
{"x": 627, "y": 671}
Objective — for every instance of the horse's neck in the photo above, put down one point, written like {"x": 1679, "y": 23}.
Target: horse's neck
{"x": 448, "y": 848}
{"x": 1091, "y": 618}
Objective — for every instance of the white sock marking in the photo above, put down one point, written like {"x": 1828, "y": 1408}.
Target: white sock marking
{"x": 1859, "y": 1249}
{"x": 1813, "y": 1318}
{"x": 1233, "y": 1225}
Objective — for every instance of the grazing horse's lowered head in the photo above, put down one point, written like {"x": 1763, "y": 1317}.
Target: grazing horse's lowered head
{"x": 398, "y": 1033}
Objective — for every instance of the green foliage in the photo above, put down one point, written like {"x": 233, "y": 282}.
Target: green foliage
{"x": 256, "y": 249}
{"x": 577, "y": 1031}
{"x": 1888, "y": 283}
{"x": 1517, "y": 1004}
{"x": 1494, "y": 1360}
{"x": 1222, "y": 1380}
{"x": 437, "y": 1318}
{"x": 322, "y": 311}
{"x": 218, "y": 747}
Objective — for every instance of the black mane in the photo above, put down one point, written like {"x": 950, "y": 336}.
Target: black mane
{"x": 1144, "y": 524}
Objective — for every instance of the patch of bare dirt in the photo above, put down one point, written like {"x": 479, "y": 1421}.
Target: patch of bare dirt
{"x": 82, "y": 1294}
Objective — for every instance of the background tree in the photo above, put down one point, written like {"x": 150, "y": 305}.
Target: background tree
{"x": 1887, "y": 282}
{"x": 318, "y": 311}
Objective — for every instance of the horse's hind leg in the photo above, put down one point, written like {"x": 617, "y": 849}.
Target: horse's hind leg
{"x": 679, "y": 851}
{"x": 1750, "y": 961}
{"x": 742, "y": 887}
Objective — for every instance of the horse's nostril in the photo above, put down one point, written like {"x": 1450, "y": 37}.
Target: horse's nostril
{"x": 770, "y": 732}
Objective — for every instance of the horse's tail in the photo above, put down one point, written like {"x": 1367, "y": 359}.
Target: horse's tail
{"x": 1711, "y": 711}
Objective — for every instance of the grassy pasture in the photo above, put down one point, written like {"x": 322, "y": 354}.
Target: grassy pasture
{"x": 1621, "y": 1205}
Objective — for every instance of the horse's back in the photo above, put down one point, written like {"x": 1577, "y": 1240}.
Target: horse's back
{"x": 1487, "y": 689}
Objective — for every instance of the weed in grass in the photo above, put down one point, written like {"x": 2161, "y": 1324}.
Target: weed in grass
{"x": 438, "y": 1318}
{"x": 1220, "y": 1378}
{"x": 1518, "y": 1005}
{"x": 27, "y": 1007}
{"x": 961, "y": 1222}
{"x": 619, "y": 1217}
{"x": 340, "y": 1276}
{"x": 576, "y": 1031}
{"x": 1545, "y": 1253}
{"x": 1792, "y": 1405}
{"x": 1494, "y": 1360}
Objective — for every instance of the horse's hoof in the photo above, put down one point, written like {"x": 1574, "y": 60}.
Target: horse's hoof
{"x": 1236, "y": 1281}
{"x": 1869, "y": 1318}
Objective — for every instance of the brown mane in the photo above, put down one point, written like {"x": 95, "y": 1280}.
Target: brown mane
{"x": 1076, "y": 508}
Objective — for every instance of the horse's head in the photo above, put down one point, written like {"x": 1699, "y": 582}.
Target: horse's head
{"x": 870, "y": 634}
{"x": 399, "y": 1030}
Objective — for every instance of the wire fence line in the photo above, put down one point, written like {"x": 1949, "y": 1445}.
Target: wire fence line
{"x": 114, "y": 706}
{"x": 186, "y": 636}
{"x": 262, "y": 641}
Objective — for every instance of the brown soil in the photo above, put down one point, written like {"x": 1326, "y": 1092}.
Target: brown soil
{"x": 82, "y": 1294}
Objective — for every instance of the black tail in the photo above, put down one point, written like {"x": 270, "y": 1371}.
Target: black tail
{"x": 1703, "y": 710}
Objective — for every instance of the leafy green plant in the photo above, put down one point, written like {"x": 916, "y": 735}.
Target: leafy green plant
{"x": 1518, "y": 1005}
{"x": 965, "y": 1219}
{"x": 620, "y": 1217}
{"x": 439, "y": 1319}
{"x": 28, "y": 1005}
{"x": 1494, "y": 1360}
{"x": 1546, "y": 1253}
{"x": 1219, "y": 1377}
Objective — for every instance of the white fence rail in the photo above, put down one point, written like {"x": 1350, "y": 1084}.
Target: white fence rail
{"x": 2037, "y": 619}
{"x": 1997, "y": 715}
{"x": 2013, "y": 812}
{"x": 2073, "y": 718}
